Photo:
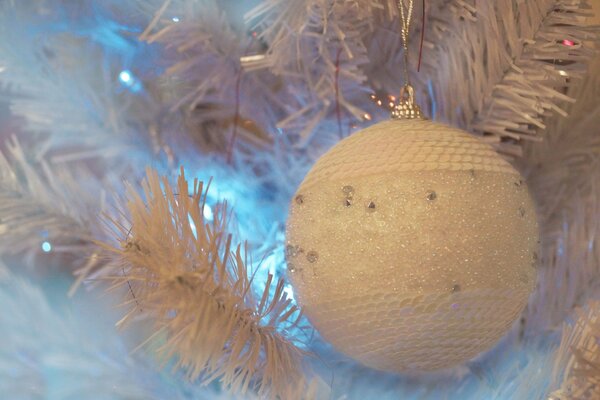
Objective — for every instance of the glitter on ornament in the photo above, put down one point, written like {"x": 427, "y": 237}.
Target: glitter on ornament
{"x": 413, "y": 287}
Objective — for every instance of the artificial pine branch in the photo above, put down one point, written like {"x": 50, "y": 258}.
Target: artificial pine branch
{"x": 578, "y": 358}
{"x": 182, "y": 272}
{"x": 221, "y": 98}
{"x": 65, "y": 83}
{"x": 44, "y": 202}
{"x": 534, "y": 83}
{"x": 55, "y": 348}
{"x": 318, "y": 46}
{"x": 485, "y": 65}
{"x": 493, "y": 67}
{"x": 46, "y": 96}
{"x": 563, "y": 171}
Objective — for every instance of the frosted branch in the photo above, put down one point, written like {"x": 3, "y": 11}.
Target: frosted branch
{"x": 578, "y": 358}
{"x": 183, "y": 274}
{"x": 40, "y": 202}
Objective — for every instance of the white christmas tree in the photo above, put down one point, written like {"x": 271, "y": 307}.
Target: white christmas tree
{"x": 247, "y": 95}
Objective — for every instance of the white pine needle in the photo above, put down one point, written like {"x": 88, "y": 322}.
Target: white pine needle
{"x": 182, "y": 272}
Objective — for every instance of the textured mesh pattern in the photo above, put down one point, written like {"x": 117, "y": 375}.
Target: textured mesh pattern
{"x": 406, "y": 145}
{"x": 412, "y": 246}
{"x": 437, "y": 330}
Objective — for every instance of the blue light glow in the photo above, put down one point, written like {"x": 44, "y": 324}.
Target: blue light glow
{"x": 125, "y": 77}
{"x": 46, "y": 247}
{"x": 256, "y": 219}
{"x": 561, "y": 247}
{"x": 289, "y": 291}
{"x": 208, "y": 213}
{"x": 130, "y": 81}
{"x": 175, "y": 19}
{"x": 432, "y": 97}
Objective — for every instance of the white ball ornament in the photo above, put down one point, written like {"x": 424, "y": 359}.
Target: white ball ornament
{"x": 412, "y": 246}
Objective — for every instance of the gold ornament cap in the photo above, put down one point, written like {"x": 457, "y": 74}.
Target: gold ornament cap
{"x": 406, "y": 107}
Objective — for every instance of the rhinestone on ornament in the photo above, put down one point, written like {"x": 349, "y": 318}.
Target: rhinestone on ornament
{"x": 292, "y": 251}
{"x": 371, "y": 207}
{"x": 312, "y": 256}
{"x": 348, "y": 190}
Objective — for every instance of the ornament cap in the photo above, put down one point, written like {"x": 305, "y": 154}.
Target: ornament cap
{"x": 406, "y": 107}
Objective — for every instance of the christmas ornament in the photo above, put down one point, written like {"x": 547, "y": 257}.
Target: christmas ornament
{"x": 412, "y": 245}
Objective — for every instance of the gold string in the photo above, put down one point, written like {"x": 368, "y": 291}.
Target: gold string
{"x": 405, "y": 21}
{"x": 406, "y": 107}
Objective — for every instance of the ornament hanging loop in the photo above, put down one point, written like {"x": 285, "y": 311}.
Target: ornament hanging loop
{"x": 406, "y": 107}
